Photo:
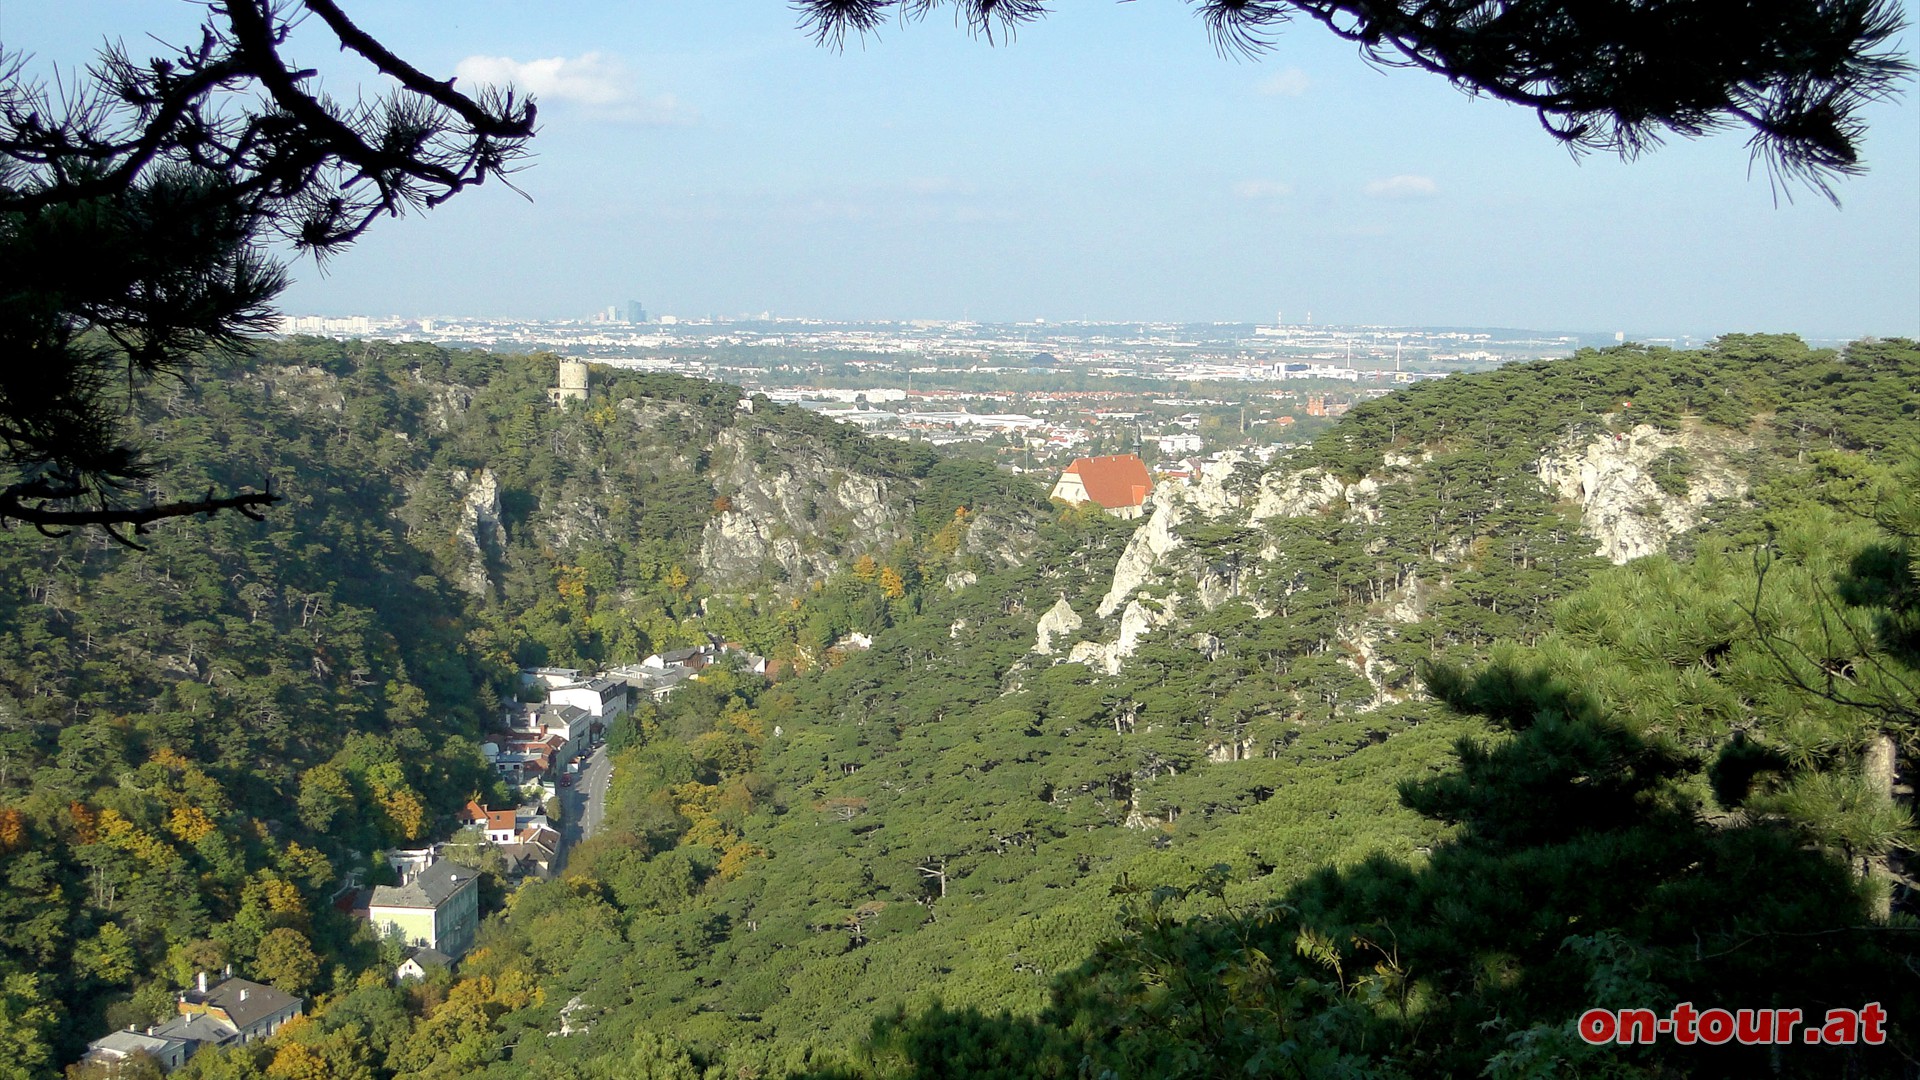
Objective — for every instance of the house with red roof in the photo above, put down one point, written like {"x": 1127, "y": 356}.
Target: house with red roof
{"x": 1118, "y": 482}
{"x": 501, "y": 826}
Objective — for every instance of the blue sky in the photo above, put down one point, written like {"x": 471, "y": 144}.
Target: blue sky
{"x": 706, "y": 158}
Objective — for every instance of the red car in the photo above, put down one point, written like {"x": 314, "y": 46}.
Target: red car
{"x": 566, "y": 781}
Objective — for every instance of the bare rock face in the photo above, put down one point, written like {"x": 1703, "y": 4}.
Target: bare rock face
{"x": 1215, "y": 494}
{"x": 1623, "y": 507}
{"x": 1363, "y": 498}
{"x": 446, "y": 406}
{"x": 1215, "y": 588}
{"x": 1145, "y": 551}
{"x": 1284, "y": 493}
{"x": 1000, "y": 540}
{"x": 1135, "y": 622}
{"x": 479, "y": 532}
{"x": 1407, "y": 604}
{"x": 792, "y": 512}
{"x": 1060, "y": 623}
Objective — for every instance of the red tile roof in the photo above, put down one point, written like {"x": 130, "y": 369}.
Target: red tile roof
{"x": 1114, "y": 481}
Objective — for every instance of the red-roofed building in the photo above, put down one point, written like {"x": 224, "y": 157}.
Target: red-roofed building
{"x": 1118, "y": 482}
{"x": 499, "y": 825}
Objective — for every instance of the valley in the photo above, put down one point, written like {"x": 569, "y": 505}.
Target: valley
{"x": 1385, "y": 754}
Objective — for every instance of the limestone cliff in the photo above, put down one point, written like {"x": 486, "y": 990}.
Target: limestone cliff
{"x": 1147, "y": 553}
{"x": 1059, "y": 624}
{"x": 1617, "y": 480}
{"x": 1136, "y": 622}
{"x": 1635, "y": 490}
{"x": 790, "y": 512}
{"x": 479, "y": 532}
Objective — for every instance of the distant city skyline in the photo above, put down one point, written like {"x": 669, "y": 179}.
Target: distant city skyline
{"x": 708, "y": 159}
{"x": 336, "y": 323}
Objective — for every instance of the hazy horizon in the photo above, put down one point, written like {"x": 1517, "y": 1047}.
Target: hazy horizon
{"x": 1106, "y": 167}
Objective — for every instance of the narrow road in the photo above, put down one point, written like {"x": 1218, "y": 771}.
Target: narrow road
{"x": 595, "y": 774}
{"x": 584, "y": 804}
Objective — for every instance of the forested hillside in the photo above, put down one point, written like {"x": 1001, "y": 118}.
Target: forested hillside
{"x": 964, "y": 812}
{"x": 201, "y": 740}
{"x": 1581, "y": 682}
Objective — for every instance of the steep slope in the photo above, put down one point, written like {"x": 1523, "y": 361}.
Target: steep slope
{"x": 1456, "y": 512}
{"x": 201, "y": 741}
{"x": 1233, "y": 681}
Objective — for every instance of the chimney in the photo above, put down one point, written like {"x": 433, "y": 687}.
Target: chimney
{"x": 243, "y": 993}
{"x": 200, "y": 981}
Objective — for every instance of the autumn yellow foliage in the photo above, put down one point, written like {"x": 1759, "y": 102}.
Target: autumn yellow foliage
{"x": 116, "y": 831}
{"x": 297, "y": 1061}
{"x": 738, "y": 857}
{"x": 406, "y": 812}
{"x": 189, "y": 823}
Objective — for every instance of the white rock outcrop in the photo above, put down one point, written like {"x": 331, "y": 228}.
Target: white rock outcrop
{"x": 1408, "y": 603}
{"x": 1150, "y": 544}
{"x": 1622, "y": 508}
{"x": 787, "y": 518}
{"x": 1296, "y": 494}
{"x": 1213, "y": 493}
{"x": 1059, "y": 624}
{"x": 1214, "y": 588}
{"x": 1135, "y": 622}
{"x": 1363, "y": 498}
{"x": 479, "y": 493}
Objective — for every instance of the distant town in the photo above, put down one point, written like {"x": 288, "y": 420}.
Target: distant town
{"x": 1029, "y": 395}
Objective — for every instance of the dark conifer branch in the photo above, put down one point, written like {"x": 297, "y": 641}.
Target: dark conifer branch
{"x": 136, "y": 210}
{"x": 1611, "y": 75}
{"x": 46, "y": 504}
{"x": 1790, "y": 658}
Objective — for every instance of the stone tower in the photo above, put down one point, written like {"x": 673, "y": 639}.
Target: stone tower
{"x": 573, "y": 382}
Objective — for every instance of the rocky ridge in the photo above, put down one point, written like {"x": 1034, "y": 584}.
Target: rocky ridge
{"x": 790, "y": 512}
{"x": 1614, "y": 479}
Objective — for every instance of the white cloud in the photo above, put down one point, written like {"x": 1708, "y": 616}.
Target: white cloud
{"x": 1404, "y": 186}
{"x": 595, "y": 80}
{"x": 1290, "y": 82}
{"x": 1262, "y": 189}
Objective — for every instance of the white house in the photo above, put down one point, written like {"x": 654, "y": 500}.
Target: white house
{"x": 1175, "y": 445}
{"x": 114, "y": 1048}
{"x": 499, "y": 825}
{"x": 601, "y": 698}
{"x": 549, "y": 677}
{"x": 421, "y": 960}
